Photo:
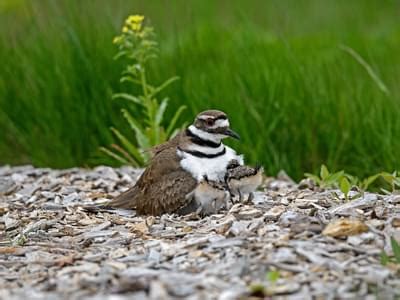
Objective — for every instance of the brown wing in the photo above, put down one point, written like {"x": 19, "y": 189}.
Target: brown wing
{"x": 168, "y": 194}
{"x": 157, "y": 190}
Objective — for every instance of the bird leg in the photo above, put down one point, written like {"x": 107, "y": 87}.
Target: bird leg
{"x": 198, "y": 210}
{"x": 250, "y": 198}
{"x": 240, "y": 196}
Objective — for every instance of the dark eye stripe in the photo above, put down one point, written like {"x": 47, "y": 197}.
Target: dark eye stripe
{"x": 221, "y": 118}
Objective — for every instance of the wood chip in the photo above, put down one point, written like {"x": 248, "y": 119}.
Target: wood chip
{"x": 345, "y": 227}
{"x": 51, "y": 247}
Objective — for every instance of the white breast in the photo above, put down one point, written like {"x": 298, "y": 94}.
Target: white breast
{"x": 213, "y": 168}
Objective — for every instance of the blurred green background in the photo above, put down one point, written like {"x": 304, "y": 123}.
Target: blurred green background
{"x": 277, "y": 67}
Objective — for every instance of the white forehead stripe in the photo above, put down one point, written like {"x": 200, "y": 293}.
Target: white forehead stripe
{"x": 216, "y": 138}
{"x": 220, "y": 123}
{"x": 205, "y": 117}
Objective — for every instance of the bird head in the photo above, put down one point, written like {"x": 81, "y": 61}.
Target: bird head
{"x": 213, "y": 125}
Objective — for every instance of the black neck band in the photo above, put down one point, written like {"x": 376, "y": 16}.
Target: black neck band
{"x": 195, "y": 139}
{"x": 203, "y": 155}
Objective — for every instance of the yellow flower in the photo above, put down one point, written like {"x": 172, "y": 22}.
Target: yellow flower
{"x": 117, "y": 39}
{"x": 135, "y": 19}
{"x": 125, "y": 29}
{"x": 136, "y": 26}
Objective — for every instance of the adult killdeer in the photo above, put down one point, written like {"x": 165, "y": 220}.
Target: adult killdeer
{"x": 242, "y": 179}
{"x": 209, "y": 197}
{"x": 179, "y": 165}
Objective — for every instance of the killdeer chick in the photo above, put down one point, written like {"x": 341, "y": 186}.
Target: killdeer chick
{"x": 242, "y": 179}
{"x": 209, "y": 197}
{"x": 180, "y": 164}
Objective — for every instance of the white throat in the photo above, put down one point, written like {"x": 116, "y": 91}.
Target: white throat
{"x": 213, "y": 137}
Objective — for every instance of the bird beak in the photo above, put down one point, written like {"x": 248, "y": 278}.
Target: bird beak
{"x": 231, "y": 133}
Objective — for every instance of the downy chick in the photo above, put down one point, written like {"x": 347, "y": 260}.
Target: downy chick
{"x": 209, "y": 197}
{"x": 242, "y": 180}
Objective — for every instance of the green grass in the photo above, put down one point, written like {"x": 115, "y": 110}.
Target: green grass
{"x": 276, "y": 67}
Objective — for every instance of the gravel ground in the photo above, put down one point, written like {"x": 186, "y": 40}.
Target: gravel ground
{"x": 291, "y": 242}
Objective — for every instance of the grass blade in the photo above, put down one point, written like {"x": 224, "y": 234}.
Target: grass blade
{"x": 114, "y": 155}
{"x": 141, "y": 137}
{"x": 396, "y": 249}
{"x": 367, "y": 67}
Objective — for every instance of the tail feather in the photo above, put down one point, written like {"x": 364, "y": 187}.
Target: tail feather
{"x": 124, "y": 200}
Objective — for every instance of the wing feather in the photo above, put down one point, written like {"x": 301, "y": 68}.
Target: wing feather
{"x": 161, "y": 188}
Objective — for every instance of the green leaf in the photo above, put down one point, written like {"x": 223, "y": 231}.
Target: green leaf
{"x": 387, "y": 177}
{"x": 369, "y": 180}
{"x": 354, "y": 181}
{"x": 164, "y": 85}
{"x": 125, "y": 154}
{"x": 313, "y": 177}
{"x": 386, "y": 192}
{"x": 128, "y": 97}
{"x": 396, "y": 249}
{"x": 119, "y": 54}
{"x": 160, "y": 111}
{"x": 163, "y": 136}
{"x": 334, "y": 178}
{"x": 384, "y": 258}
{"x": 174, "y": 120}
{"x": 397, "y": 181}
{"x": 345, "y": 186}
{"x": 141, "y": 138}
{"x": 132, "y": 70}
{"x": 132, "y": 149}
{"x": 130, "y": 79}
{"x": 273, "y": 276}
{"x": 324, "y": 173}
{"x": 174, "y": 133}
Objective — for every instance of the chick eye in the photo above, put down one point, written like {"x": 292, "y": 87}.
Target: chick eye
{"x": 209, "y": 122}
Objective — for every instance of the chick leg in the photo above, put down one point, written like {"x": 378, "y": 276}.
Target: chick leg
{"x": 240, "y": 197}
{"x": 251, "y": 197}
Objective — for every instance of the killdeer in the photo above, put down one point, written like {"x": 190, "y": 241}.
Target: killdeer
{"x": 242, "y": 179}
{"x": 179, "y": 165}
{"x": 209, "y": 197}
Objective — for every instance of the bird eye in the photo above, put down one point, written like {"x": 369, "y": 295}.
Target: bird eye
{"x": 209, "y": 122}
